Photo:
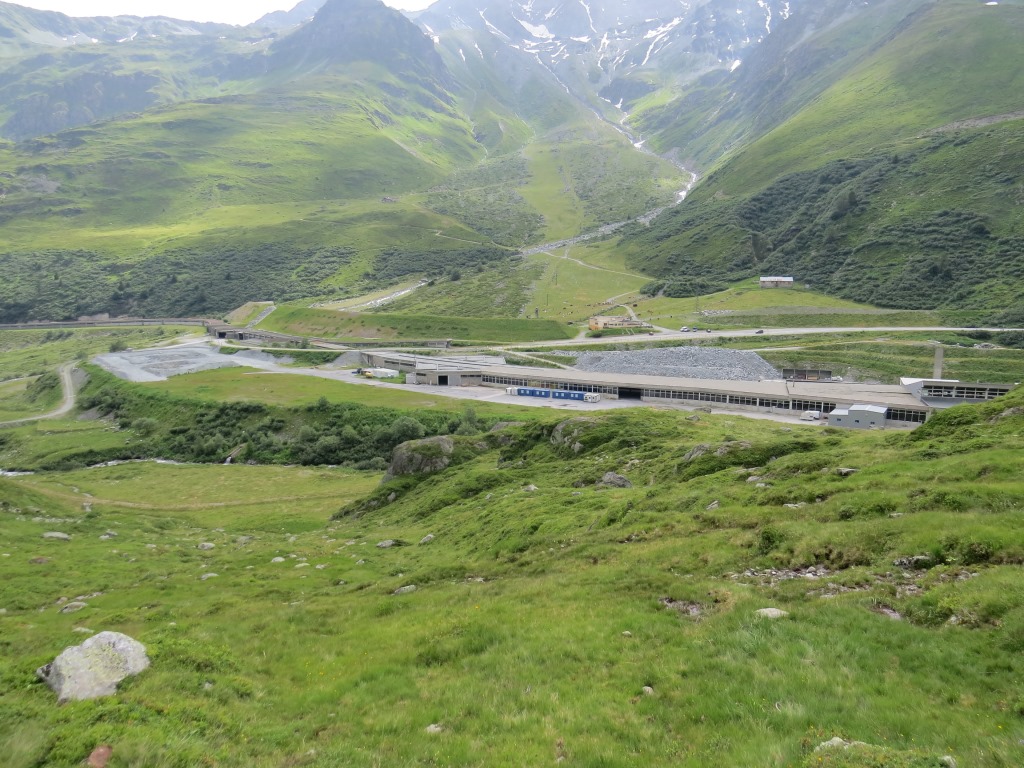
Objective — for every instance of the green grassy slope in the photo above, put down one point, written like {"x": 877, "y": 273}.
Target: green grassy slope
{"x": 895, "y": 185}
{"x": 385, "y": 326}
{"x": 610, "y": 627}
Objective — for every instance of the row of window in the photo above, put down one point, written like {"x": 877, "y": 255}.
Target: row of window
{"x": 901, "y": 414}
{"x": 893, "y": 414}
{"x": 509, "y": 381}
{"x": 711, "y": 397}
{"x": 813, "y": 405}
{"x": 964, "y": 392}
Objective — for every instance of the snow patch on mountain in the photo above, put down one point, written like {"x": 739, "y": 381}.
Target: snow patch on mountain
{"x": 539, "y": 31}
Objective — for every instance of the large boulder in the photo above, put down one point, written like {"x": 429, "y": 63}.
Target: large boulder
{"x": 614, "y": 480}
{"x": 421, "y": 457}
{"x": 94, "y": 668}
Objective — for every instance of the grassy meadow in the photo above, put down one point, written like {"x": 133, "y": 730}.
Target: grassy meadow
{"x": 390, "y": 327}
{"x": 570, "y": 623}
{"x": 239, "y": 385}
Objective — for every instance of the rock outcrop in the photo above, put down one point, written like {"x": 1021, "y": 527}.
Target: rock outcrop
{"x": 614, "y": 480}
{"x": 568, "y": 433}
{"x": 94, "y": 668}
{"x": 421, "y": 457}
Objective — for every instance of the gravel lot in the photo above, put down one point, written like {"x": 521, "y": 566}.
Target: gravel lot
{"x": 160, "y": 364}
{"x": 684, "y": 362}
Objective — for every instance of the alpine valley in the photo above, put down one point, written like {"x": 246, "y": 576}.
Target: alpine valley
{"x": 162, "y": 167}
{"x": 483, "y": 386}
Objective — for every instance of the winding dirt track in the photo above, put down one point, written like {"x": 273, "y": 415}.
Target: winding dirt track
{"x": 66, "y": 406}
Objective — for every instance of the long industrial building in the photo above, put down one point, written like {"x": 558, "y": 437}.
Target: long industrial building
{"x": 906, "y": 405}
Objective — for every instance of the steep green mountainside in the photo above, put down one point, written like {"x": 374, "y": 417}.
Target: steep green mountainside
{"x": 341, "y": 156}
{"x": 897, "y": 183}
{"x": 524, "y": 603}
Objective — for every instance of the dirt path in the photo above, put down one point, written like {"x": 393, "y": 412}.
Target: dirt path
{"x": 67, "y": 403}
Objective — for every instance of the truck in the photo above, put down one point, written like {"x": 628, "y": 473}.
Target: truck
{"x": 810, "y": 415}
{"x": 379, "y": 373}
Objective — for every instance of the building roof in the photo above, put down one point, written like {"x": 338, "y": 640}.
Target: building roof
{"x": 777, "y": 279}
{"x": 892, "y": 396}
{"x": 862, "y": 408}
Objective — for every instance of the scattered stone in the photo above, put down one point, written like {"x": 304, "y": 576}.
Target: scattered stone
{"x": 205, "y": 546}
{"x": 712, "y": 506}
{"x": 754, "y": 479}
{"x": 406, "y": 590}
{"x": 427, "y": 539}
{"x": 277, "y": 560}
{"x": 83, "y": 631}
{"x": 321, "y": 567}
{"x": 74, "y": 607}
{"x": 696, "y": 452}
{"x": 695, "y": 418}
{"x": 614, "y": 480}
{"x": 846, "y": 471}
{"x": 243, "y": 540}
{"x": 889, "y": 613}
{"x": 772, "y": 613}
{"x": 207, "y": 576}
{"x": 151, "y": 546}
{"x": 838, "y": 743}
{"x": 948, "y": 761}
{"x": 302, "y": 565}
{"x": 627, "y": 633}
{"x": 360, "y": 562}
{"x": 435, "y": 728}
{"x": 763, "y": 485}
{"x": 683, "y": 607}
{"x": 392, "y": 497}
{"x": 39, "y": 560}
{"x": 109, "y": 534}
{"x": 648, "y": 691}
{"x": 56, "y": 536}
{"x": 207, "y": 686}
{"x": 914, "y": 562}
{"x": 386, "y": 544}
{"x": 531, "y": 488}
{"x": 100, "y": 756}
{"x": 95, "y": 667}
{"x": 801, "y": 505}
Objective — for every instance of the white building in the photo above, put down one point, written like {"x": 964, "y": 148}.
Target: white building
{"x": 858, "y": 416}
{"x": 777, "y": 282}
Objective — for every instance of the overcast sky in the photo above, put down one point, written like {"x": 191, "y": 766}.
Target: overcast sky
{"x": 227, "y": 11}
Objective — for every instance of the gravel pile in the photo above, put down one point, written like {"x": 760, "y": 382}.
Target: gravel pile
{"x": 681, "y": 362}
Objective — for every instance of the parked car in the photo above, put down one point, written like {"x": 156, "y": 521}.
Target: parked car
{"x": 685, "y": 328}
{"x": 759, "y": 331}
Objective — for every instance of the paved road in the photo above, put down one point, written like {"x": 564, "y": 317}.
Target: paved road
{"x": 67, "y": 402}
{"x": 693, "y": 336}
